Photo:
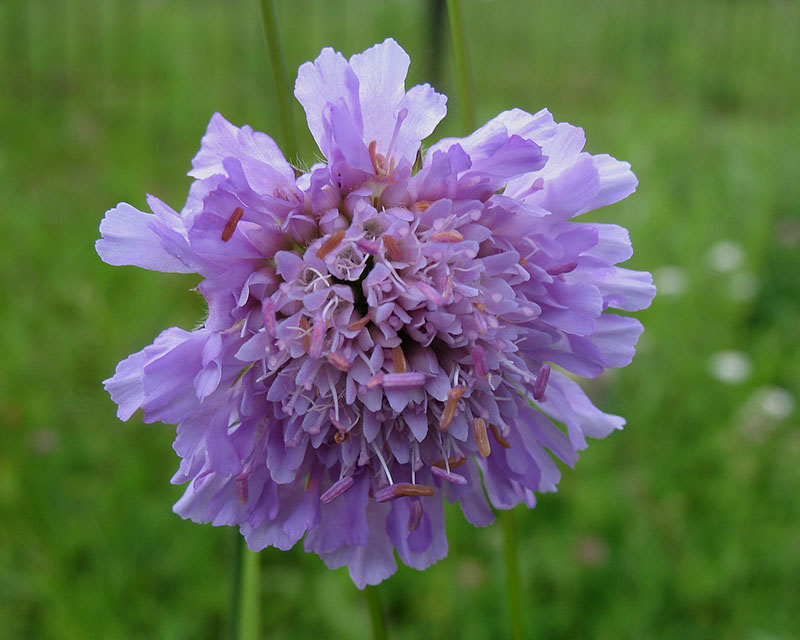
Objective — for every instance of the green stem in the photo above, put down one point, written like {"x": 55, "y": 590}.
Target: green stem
{"x": 463, "y": 81}
{"x": 376, "y": 613}
{"x": 249, "y": 596}
{"x": 513, "y": 582}
{"x": 283, "y": 90}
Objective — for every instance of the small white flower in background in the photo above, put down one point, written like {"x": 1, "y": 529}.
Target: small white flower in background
{"x": 725, "y": 255}
{"x": 774, "y": 402}
{"x": 732, "y": 367}
{"x": 765, "y": 409}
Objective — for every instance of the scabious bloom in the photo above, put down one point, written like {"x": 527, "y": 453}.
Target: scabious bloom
{"x": 387, "y": 330}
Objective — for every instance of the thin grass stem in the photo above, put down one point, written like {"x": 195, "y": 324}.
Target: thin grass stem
{"x": 463, "y": 79}
{"x": 283, "y": 91}
{"x": 249, "y": 596}
{"x": 513, "y": 581}
{"x": 376, "y": 616}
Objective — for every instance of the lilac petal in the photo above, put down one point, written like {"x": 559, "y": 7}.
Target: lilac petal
{"x": 132, "y": 237}
{"x": 381, "y": 72}
{"x": 323, "y": 82}
{"x": 222, "y": 457}
{"x": 263, "y": 162}
{"x": 616, "y": 181}
{"x": 167, "y": 380}
{"x": 342, "y": 521}
{"x": 372, "y": 562}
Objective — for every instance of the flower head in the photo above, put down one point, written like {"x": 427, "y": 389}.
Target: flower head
{"x": 379, "y": 339}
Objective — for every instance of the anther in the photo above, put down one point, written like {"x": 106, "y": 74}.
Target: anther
{"x": 304, "y": 327}
{"x": 399, "y": 360}
{"x": 455, "y": 461}
{"x": 479, "y": 360}
{"x": 340, "y": 436}
{"x": 331, "y": 243}
{"x": 481, "y": 437}
{"x": 393, "y": 248}
{"x": 498, "y": 435}
{"x": 444, "y": 474}
{"x": 360, "y": 323}
{"x": 338, "y": 361}
{"x": 562, "y": 268}
{"x": 408, "y": 380}
{"x": 317, "y": 336}
{"x": 230, "y": 225}
{"x": 403, "y": 490}
{"x": 242, "y": 493}
{"x": 336, "y": 489}
{"x": 414, "y": 515}
{"x": 453, "y": 396}
{"x": 541, "y": 382}
{"x": 446, "y": 236}
{"x": 423, "y": 205}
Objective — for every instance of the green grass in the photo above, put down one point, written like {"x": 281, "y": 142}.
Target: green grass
{"x": 683, "y": 525}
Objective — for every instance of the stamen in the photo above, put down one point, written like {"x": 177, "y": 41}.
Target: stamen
{"x": 455, "y": 478}
{"x": 304, "y": 327}
{"x": 523, "y": 262}
{"x": 242, "y": 492}
{"x": 393, "y": 248}
{"x": 403, "y": 490}
{"x": 480, "y": 322}
{"x": 331, "y": 243}
{"x": 481, "y": 437}
{"x": 401, "y": 116}
{"x": 537, "y": 185}
{"x": 399, "y": 360}
{"x": 541, "y": 382}
{"x": 339, "y": 437}
{"x": 423, "y": 205}
{"x": 562, "y": 268}
{"x": 338, "y": 361}
{"x": 375, "y": 381}
{"x": 446, "y": 236}
{"x": 317, "y": 336}
{"x": 361, "y": 323}
{"x": 479, "y": 360}
{"x": 414, "y": 515}
{"x": 373, "y": 155}
{"x": 230, "y": 225}
{"x": 447, "y": 288}
{"x": 453, "y": 396}
{"x": 336, "y": 489}
{"x": 452, "y": 463}
{"x": 383, "y": 464}
{"x": 498, "y": 435}
{"x": 408, "y": 380}
{"x": 430, "y": 293}
{"x": 268, "y": 315}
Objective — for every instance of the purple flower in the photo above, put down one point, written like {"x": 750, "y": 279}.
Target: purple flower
{"x": 381, "y": 338}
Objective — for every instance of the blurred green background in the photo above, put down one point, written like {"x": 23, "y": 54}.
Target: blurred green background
{"x": 686, "y": 524}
